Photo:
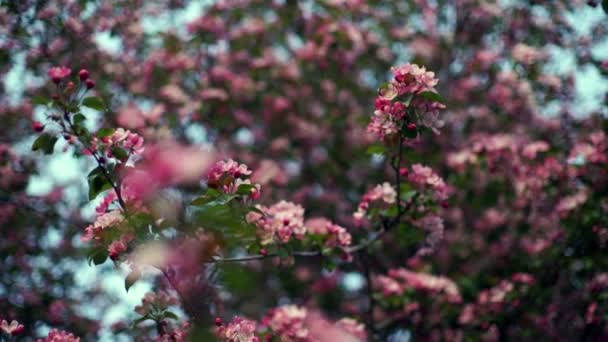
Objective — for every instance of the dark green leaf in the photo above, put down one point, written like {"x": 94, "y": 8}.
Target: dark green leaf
{"x": 45, "y": 143}
{"x": 94, "y": 102}
{"x": 432, "y": 96}
{"x": 98, "y": 184}
{"x": 79, "y": 119}
{"x": 98, "y": 256}
{"x": 98, "y": 171}
{"x": 245, "y": 189}
{"x": 139, "y": 320}
{"x": 376, "y": 149}
{"x": 41, "y": 100}
{"x": 202, "y": 200}
{"x": 405, "y": 196}
{"x": 170, "y": 315}
{"x": 105, "y": 132}
{"x": 131, "y": 279}
{"x": 605, "y": 6}
{"x": 120, "y": 153}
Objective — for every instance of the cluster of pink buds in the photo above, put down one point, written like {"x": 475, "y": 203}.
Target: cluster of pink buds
{"x": 59, "y": 73}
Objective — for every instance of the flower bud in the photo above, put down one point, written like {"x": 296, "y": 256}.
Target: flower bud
{"x": 90, "y": 84}
{"x": 83, "y": 74}
{"x": 38, "y": 126}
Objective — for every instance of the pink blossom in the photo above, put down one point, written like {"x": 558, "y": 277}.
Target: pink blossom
{"x": 289, "y": 322}
{"x": 59, "y": 73}
{"x": 238, "y": 330}
{"x": 281, "y": 222}
{"x": 433, "y": 224}
{"x": 14, "y": 328}
{"x": 117, "y": 247}
{"x": 384, "y": 193}
{"x": 155, "y": 302}
{"x": 60, "y": 336}
{"x": 425, "y": 177}
{"x": 400, "y": 279}
{"x": 411, "y": 78}
{"x": 353, "y": 327}
{"x": 569, "y": 203}
{"x": 228, "y": 175}
{"x": 526, "y": 54}
{"x": 104, "y": 221}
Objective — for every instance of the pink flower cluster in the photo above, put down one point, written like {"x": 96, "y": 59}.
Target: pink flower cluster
{"x": 392, "y": 103}
{"x": 494, "y": 299}
{"x": 281, "y": 222}
{"x": 118, "y": 247}
{"x": 288, "y": 321}
{"x": 131, "y": 142}
{"x": 104, "y": 221}
{"x": 399, "y": 280}
{"x": 153, "y": 303}
{"x": 58, "y": 73}
{"x": 228, "y": 175}
{"x": 433, "y": 224}
{"x": 59, "y": 336}
{"x": 238, "y": 330}
{"x": 424, "y": 177}
{"x": 177, "y": 334}
{"x": 297, "y": 324}
{"x": 336, "y": 236}
{"x": 352, "y": 327}
{"x": 383, "y": 193}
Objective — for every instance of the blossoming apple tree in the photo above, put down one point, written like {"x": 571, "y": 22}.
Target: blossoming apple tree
{"x": 305, "y": 171}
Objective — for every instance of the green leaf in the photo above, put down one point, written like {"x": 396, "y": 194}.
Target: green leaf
{"x": 94, "y": 103}
{"x": 120, "y": 153}
{"x": 45, "y": 143}
{"x": 131, "y": 279}
{"x": 406, "y": 196}
{"x": 97, "y": 256}
{"x": 170, "y": 315}
{"x": 202, "y": 200}
{"x": 97, "y": 183}
{"x": 40, "y": 100}
{"x": 432, "y": 96}
{"x": 227, "y": 219}
{"x": 139, "y": 320}
{"x": 245, "y": 189}
{"x": 376, "y": 149}
{"x": 605, "y": 6}
{"x": 105, "y": 132}
{"x": 79, "y": 119}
